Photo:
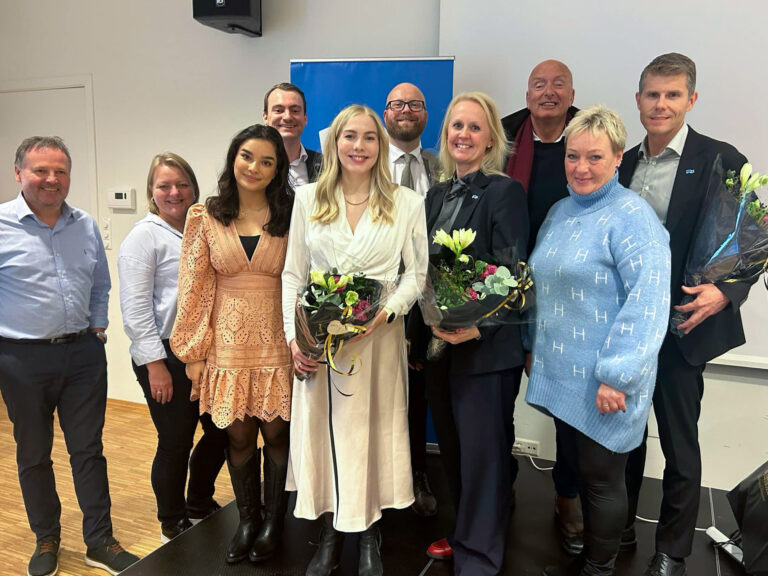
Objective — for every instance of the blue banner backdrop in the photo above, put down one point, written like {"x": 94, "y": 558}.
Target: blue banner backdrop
{"x": 330, "y": 85}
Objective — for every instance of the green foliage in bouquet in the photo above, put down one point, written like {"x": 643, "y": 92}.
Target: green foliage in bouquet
{"x": 747, "y": 183}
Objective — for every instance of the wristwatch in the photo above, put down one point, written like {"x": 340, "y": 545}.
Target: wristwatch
{"x": 390, "y": 315}
{"x": 101, "y": 336}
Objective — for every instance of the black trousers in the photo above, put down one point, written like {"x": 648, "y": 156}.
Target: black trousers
{"x": 477, "y": 459}
{"x": 677, "y": 405}
{"x": 35, "y": 380}
{"x": 417, "y": 419}
{"x": 602, "y": 488}
{"x": 565, "y": 476}
{"x": 176, "y": 422}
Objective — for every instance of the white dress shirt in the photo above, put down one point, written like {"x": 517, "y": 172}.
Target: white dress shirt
{"x": 418, "y": 172}
{"x": 298, "y": 175}
{"x": 148, "y": 268}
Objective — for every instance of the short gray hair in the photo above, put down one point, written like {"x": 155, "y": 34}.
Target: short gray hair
{"x": 598, "y": 119}
{"x": 36, "y": 143}
{"x": 672, "y": 64}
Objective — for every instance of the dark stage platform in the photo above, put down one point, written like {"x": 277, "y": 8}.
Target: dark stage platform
{"x": 531, "y": 545}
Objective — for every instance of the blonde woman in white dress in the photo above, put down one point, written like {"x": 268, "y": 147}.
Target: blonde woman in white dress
{"x": 349, "y": 454}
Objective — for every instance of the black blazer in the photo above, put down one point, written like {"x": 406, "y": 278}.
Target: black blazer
{"x": 494, "y": 207}
{"x": 314, "y": 164}
{"x": 723, "y": 331}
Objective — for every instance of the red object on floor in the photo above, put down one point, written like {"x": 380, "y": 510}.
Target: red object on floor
{"x": 440, "y": 550}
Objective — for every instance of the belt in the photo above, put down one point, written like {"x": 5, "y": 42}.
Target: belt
{"x": 63, "y": 339}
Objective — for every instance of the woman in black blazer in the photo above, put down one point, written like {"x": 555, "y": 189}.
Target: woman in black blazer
{"x": 472, "y": 388}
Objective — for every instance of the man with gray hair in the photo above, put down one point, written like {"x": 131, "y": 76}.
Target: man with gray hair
{"x": 670, "y": 169}
{"x": 54, "y": 291}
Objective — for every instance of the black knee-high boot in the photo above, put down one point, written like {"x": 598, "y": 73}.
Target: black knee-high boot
{"x": 246, "y": 483}
{"x": 275, "y": 502}
{"x": 370, "y": 555}
{"x": 328, "y": 555}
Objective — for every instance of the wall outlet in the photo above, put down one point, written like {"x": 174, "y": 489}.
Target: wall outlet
{"x": 525, "y": 447}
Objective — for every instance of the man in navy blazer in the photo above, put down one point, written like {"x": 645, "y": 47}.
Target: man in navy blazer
{"x": 670, "y": 169}
{"x": 285, "y": 109}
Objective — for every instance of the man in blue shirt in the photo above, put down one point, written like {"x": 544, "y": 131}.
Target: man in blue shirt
{"x": 54, "y": 291}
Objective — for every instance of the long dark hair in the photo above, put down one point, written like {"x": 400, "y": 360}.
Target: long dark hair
{"x": 225, "y": 207}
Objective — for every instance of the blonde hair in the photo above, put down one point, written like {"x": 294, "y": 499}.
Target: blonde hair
{"x": 493, "y": 160}
{"x": 174, "y": 161}
{"x": 382, "y": 199}
{"x": 598, "y": 119}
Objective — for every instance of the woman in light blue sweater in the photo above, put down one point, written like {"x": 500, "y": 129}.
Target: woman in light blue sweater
{"x": 602, "y": 271}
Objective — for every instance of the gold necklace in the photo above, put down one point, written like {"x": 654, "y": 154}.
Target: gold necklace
{"x": 357, "y": 203}
{"x": 243, "y": 213}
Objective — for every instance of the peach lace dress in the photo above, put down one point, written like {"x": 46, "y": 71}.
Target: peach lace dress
{"x": 229, "y": 314}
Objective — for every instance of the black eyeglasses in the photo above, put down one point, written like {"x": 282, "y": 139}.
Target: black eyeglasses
{"x": 399, "y": 105}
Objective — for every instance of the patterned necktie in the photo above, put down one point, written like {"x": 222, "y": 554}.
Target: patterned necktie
{"x": 406, "y": 179}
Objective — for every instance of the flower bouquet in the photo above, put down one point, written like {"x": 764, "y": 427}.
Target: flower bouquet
{"x": 731, "y": 241}
{"x": 470, "y": 292}
{"x": 331, "y": 309}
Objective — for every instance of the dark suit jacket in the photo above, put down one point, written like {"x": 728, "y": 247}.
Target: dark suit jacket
{"x": 431, "y": 167}
{"x": 494, "y": 207}
{"x": 314, "y": 164}
{"x": 723, "y": 331}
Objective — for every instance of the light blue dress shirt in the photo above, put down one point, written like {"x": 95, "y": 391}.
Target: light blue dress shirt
{"x": 148, "y": 268}
{"x": 53, "y": 281}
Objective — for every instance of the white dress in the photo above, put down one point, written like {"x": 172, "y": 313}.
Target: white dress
{"x": 350, "y": 455}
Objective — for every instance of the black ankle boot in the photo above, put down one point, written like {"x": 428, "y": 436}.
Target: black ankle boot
{"x": 370, "y": 556}
{"x": 246, "y": 483}
{"x": 275, "y": 502}
{"x": 328, "y": 555}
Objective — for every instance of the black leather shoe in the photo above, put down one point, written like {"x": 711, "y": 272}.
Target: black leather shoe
{"x": 246, "y": 484}
{"x": 45, "y": 560}
{"x": 663, "y": 565}
{"x": 328, "y": 555}
{"x": 169, "y": 531}
{"x": 628, "y": 539}
{"x": 425, "y": 503}
{"x": 370, "y": 553}
{"x": 270, "y": 534}
{"x": 570, "y": 523}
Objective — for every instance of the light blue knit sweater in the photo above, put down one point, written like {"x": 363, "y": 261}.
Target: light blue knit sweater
{"x": 601, "y": 268}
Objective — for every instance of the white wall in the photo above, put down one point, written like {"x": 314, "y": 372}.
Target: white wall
{"x": 162, "y": 81}
{"x": 606, "y": 44}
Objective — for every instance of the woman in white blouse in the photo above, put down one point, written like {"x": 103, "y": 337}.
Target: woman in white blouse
{"x": 148, "y": 266}
{"x": 349, "y": 455}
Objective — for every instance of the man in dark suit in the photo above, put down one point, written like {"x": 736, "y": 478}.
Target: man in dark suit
{"x": 670, "y": 169}
{"x": 537, "y": 162}
{"x": 405, "y": 116}
{"x": 285, "y": 109}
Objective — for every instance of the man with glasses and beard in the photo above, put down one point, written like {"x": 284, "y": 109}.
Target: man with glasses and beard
{"x": 405, "y": 117}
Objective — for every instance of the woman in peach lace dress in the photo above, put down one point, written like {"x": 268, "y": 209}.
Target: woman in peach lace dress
{"x": 229, "y": 327}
